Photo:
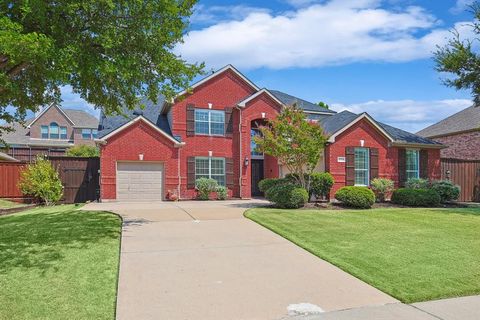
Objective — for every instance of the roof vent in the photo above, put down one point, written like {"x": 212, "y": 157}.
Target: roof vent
{"x": 138, "y": 112}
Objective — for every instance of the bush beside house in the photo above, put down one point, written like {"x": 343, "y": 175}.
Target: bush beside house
{"x": 416, "y": 197}
{"x": 382, "y": 188}
{"x": 356, "y": 197}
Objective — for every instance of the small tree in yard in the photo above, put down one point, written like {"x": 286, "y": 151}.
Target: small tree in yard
{"x": 295, "y": 142}
{"x": 83, "y": 151}
{"x": 42, "y": 181}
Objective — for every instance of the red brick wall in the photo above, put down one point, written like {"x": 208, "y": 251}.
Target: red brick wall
{"x": 464, "y": 146}
{"x": 127, "y": 145}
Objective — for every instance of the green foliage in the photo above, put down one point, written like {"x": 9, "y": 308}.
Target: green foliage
{"x": 417, "y": 183}
{"x": 416, "y": 197}
{"x": 287, "y": 196}
{"x": 205, "y": 186}
{"x": 323, "y": 105}
{"x": 446, "y": 189}
{"x": 42, "y": 181}
{"x": 382, "y": 187}
{"x": 460, "y": 59}
{"x": 320, "y": 184}
{"x": 83, "y": 151}
{"x": 109, "y": 52}
{"x": 294, "y": 141}
{"x": 356, "y": 197}
{"x": 222, "y": 193}
{"x": 266, "y": 184}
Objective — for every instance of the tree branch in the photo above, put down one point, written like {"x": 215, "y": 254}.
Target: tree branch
{"x": 15, "y": 70}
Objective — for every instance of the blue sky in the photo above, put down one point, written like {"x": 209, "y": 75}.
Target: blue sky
{"x": 359, "y": 55}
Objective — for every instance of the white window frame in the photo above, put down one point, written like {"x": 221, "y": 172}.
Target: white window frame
{"x": 367, "y": 170}
{"x": 209, "y": 122}
{"x": 210, "y": 175}
{"x": 417, "y": 162}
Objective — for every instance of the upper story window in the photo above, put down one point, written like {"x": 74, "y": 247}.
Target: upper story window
{"x": 413, "y": 163}
{"x": 89, "y": 134}
{"x": 362, "y": 167}
{"x": 209, "y": 122}
{"x": 53, "y": 131}
{"x": 255, "y": 132}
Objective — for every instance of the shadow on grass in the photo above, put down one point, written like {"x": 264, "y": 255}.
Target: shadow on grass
{"x": 37, "y": 239}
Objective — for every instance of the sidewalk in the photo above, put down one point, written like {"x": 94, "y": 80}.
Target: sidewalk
{"x": 465, "y": 308}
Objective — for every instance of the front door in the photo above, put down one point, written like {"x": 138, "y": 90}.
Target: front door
{"x": 257, "y": 175}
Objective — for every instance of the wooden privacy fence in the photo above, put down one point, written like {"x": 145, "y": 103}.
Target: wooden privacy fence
{"x": 466, "y": 174}
{"x": 79, "y": 176}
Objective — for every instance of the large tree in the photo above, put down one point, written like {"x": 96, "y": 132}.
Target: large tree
{"x": 461, "y": 60}
{"x": 296, "y": 142}
{"x": 109, "y": 51}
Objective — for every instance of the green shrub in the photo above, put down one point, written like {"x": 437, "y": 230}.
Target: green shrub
{"x": 356, "y": 197}
{"x": 83, "y": 151}
{"x": 41, "y": 180}
{"x": 417, "y": 183}
{"x": 266, "y": 184}
{"x": 287, "y": 196}
{"x": 321, "y": 184}
{"x": 416, "y": 197}
{"x": 222, "y": 193}
{"x": 382, "y": 187}
{"x": 205, "y": 186}
{"x": 446, "y": 189}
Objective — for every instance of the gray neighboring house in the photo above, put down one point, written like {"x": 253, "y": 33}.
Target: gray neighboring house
{"x": 50, "y": 132}
{"x": 460, "y": 132}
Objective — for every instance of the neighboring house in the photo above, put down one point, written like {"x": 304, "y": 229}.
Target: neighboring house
{"x": 6, "y": 158}
{"x": 51, "y": 132}
{"x": 207, "y": 132}
{"x": 460, "y": 132}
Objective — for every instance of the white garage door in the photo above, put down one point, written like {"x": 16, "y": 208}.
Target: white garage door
{"x": 139, "y": 181}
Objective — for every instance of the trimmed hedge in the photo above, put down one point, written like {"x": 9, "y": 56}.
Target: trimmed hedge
{"x": 356, "y": 197}
{"x": 446, "y": 189}
{"x": 416, "y": 197}
{"x": 287, "y": 196}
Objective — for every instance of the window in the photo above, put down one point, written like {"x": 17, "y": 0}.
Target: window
{"x": 412, "y": 165}
{"x": 94, "y": 133}
{"x": 213, "y": 168}
{"x": 54, "y": 131}
{"x": 362, "y": 167}
{"x": 44, "y": 131}
{"x": 86, "y": 134}
{"x": 63, "y": 133}
{"x": 253, "y": 146}
{"x": 209, "y": 122}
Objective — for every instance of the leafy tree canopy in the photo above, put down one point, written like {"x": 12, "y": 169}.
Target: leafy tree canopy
{"x": 294, "y": 141}
{"x": 323, "y": 105}
{"x": 109, "y": 51}
{"x": 461, "y": 60}
{"x": 83, "y": 151}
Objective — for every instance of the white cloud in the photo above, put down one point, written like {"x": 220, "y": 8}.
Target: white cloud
{"x": 409, "y": 115}
{"x": 74, "y": 101}
{"x": 330, "y": 33}
{"x": 461, "y": 6}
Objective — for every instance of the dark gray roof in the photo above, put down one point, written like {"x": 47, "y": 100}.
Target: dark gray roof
{"x": 81, "y": 118}
{"x": 303, "y": 104}
{"x": 338, "y": 121}
{"x": 465, "y": 120}
{"x": 151, "y": 111}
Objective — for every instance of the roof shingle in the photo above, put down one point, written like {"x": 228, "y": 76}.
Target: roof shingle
{"x": 465, "y": 120}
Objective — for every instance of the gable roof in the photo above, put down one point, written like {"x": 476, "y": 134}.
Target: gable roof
{"x": 151, "y": 112}
{"x": 244, "y": 102}
{"x": 465, "y": 120}
{"x": 302, "y": 104}
{"x": 339, "y": 122}
{"x": 48, "y": 108}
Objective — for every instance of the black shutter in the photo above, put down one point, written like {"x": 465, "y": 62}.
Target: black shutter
{"x": 229, "y": 172}
{"x": 228, "y": 122}
{"x": 373, "y": 163}
{"x": 423, "y": 164}
{"x": 191, "y": 172}
{"x": 350, "y": 166}
{"x": 190, "y": 120}
{"x": 402, "y": 167}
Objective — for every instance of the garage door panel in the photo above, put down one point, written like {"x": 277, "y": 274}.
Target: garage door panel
{"x": 139, "y": 181}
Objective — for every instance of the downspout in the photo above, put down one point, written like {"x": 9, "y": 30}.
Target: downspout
{"x": 240, "y": 150}
{"x": 179, "y": 175}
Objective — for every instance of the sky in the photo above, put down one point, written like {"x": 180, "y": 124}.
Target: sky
{"x": 360, "y": 55}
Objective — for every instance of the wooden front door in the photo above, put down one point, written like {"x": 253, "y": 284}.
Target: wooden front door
{"x": 257, "y": 175}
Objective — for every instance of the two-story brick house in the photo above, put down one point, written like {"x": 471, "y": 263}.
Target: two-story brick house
{"x": 51, "y": 132}
{"x": 207, "y": 132}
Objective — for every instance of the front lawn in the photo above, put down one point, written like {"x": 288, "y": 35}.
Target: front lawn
{"x": 6, "y": 204}
{"x": 411, "y": 254}
{"x": 59, "y": 263}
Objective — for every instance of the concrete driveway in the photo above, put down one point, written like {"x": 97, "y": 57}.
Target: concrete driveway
{"x": 204, "y": 260}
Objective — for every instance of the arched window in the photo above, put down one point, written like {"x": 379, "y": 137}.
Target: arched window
{"x": 54, "y": 130}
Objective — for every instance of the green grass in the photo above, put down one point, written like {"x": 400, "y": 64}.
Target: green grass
{"x": 6, "y": 204}
{"x": 412, "y": 254}
{"x": 59, "y": 263}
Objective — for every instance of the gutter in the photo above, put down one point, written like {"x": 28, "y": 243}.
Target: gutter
{"x": 418, "y": 145}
